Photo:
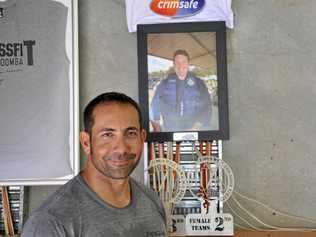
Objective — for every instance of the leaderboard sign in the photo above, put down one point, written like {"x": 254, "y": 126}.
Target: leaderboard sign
{"x": 219, "y": 224}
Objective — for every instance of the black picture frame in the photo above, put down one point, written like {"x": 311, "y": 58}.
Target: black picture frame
{"x": 173, "y": 36}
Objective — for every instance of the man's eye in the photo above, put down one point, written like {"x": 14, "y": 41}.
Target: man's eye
{"x": 107, "y": 134}
{"x": 132, "y": 133}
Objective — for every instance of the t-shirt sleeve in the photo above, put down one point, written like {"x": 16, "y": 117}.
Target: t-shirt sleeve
{"x": 43, "y": 225}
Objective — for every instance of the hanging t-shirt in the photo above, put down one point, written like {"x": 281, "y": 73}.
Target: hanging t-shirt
{"x": 34, "y": 90}
{"x": 172, "y": 11}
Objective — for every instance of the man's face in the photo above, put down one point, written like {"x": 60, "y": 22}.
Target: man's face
{"x": 116, "y": 140}
{"x": 181, "y": 66}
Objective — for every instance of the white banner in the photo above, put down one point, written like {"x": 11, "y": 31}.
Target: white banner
{"x": 172, "y": 11}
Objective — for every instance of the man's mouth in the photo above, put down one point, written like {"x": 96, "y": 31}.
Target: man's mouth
{"x": 121, "y": 160}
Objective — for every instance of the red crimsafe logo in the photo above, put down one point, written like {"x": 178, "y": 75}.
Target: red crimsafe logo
{"x": 177, "y": 8}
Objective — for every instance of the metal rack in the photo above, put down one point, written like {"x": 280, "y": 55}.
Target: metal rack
{"x": 194, "y": 169}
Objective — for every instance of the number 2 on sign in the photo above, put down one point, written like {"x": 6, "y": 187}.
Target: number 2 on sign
{"x": 173, "y": 226}
{"x": 220, "y": 222}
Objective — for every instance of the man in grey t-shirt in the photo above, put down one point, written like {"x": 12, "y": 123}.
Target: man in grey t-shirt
{"x": 103, "y": 200}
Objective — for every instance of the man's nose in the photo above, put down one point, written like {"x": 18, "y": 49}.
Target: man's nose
{"x": 121, "y": 145}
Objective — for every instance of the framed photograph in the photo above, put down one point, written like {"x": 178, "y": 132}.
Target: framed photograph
{"x": 183, "y": 81}
{"x": 39, "y": 122}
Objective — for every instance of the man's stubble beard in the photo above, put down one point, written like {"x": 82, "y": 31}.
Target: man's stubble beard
{"x": 108, "y": 171}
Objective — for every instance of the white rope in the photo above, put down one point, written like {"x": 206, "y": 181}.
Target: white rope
{"x": 277, "y": 228}
{"x": 240, "y": 226}
{"x": 276, "y": 211}
{"x": 243, "y": 219}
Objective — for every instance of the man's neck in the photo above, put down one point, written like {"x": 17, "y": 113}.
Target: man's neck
{"x": 116, "y": 192}
{"x": 181, "y": 78}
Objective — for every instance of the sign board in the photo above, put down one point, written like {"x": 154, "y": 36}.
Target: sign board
{"x": 219, "y": 224}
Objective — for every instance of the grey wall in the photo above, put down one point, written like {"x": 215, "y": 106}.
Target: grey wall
{"x": 272, "y": 106}
{"x": 271, "y": 74}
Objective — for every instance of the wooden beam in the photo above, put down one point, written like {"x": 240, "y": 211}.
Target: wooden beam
{"x": 249, "y": 233}
{"x": 7, "y": 217}
{"x": 274, "y": 234}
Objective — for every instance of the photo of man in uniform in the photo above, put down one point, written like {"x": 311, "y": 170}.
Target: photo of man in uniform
{"x": 181, "y": 101}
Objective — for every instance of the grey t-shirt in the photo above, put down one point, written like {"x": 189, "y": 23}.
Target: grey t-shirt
{"x": 76, "y": 210}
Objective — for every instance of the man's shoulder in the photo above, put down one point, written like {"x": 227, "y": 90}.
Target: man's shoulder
{"x": 169, "y": 80}
{"x": 196, "y": 78}
{"x": 55, "y": 212}
{"x": 43, "y": 224}
{"x": 63, "y": 200}
{"x": 197, "y": 81}
{"x": 171, "y": 77}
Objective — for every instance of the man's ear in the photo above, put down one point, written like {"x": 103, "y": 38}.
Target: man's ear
{"x": 143, "y": 135}
{"x": 85, "y": 142}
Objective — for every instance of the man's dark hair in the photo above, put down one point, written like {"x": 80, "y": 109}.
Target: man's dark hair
{"x": 181, "y": 52}
{"x": 107, "y": 98}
